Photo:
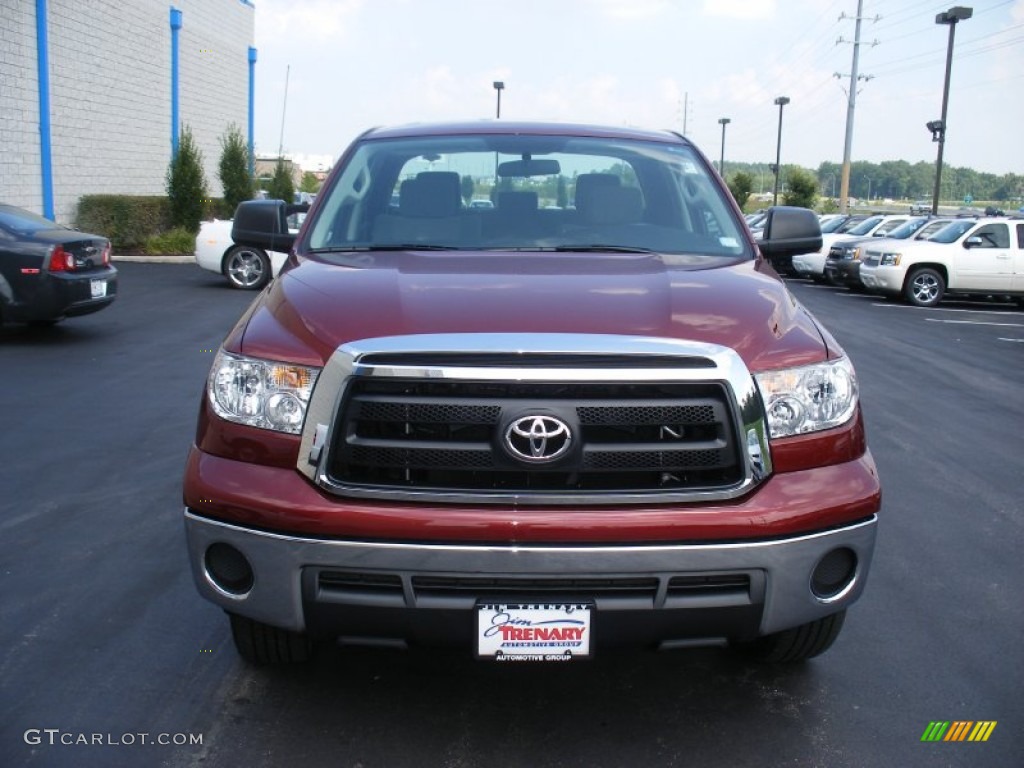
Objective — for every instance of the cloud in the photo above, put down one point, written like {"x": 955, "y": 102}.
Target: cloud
{"x": 633, "y": 10}
{"x": 740, "y": 9}
{"x": 312, "y": 20}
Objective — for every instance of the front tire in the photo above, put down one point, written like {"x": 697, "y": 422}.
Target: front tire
{"x": 924, "y": 287}
{"x": 262, "y": 644}
{"x": 247, "y": 268}
{"x": 796, "y": 644}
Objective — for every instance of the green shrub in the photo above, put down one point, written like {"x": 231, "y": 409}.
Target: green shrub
{"x": 238, "y": 183}
{"x": 172, "y": 242}
{"x": 186, "y": 184}
{"x": 802, "y": 188}
{"x": 740, "y": 185}
{"x": 217, "y": 208}
{"x": 127, "y": 221}
{"x": 281, "y": 186}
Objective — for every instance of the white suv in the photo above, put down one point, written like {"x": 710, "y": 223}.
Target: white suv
{"x": 813, "y": 264}
{"x": 981, "y": 256}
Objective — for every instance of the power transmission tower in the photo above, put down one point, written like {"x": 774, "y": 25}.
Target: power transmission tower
{"x": 851, "y": 104}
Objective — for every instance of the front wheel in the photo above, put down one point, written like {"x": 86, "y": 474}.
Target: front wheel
{"x": 247, "y": 268}
{"x": 924, "y": 287}
{"x": 262, "y": 644}
{"x": 796, "y": 644}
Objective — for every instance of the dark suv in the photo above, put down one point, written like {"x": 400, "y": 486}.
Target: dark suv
{"x": 533, "y": 430}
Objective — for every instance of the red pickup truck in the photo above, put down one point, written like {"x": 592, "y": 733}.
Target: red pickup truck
{"x": 589, "y": 415}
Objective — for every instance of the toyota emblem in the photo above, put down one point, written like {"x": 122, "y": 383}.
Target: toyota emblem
{"x": 538, "y": 439}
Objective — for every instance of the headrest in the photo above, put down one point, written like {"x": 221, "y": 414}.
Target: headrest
{"x": 432, "y": 194}
{"x": 586, "y": 183}
{"x": 614, "y": 205}
{"x": 517, "y": 202}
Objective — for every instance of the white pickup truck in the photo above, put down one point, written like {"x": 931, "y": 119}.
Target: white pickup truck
{"x": 969, "y": 256}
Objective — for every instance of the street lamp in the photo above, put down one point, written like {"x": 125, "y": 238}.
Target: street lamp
{"x": 781, "y": 101}
{"x": 938, "y": 127}
{"x": 723, "y": 121}
{"x": 499, "y": 86}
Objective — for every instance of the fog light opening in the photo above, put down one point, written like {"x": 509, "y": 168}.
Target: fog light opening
{"x": 228, "y": 570}
{"x": 834, "y": 574}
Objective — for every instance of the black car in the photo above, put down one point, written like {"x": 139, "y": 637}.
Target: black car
{"x": 49, "y": 272}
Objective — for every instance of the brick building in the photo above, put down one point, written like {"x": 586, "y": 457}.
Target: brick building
{"x": 89, "y": 91}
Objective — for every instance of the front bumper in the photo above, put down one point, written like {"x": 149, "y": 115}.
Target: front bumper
{"x": 882, "y": 279}
{"x": 809, "y": 264}
{"x": 846, "y": 272}
{"x": 403, "y": 593}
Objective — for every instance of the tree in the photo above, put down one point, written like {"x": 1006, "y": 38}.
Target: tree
{"x": 281, "y": 186}
{"x": 468, "y": 186}
{"x": 741, "y": 186}
{"x": 309, "y": 183}
{"x": 235, "y": 178}
{"x": 186, "y": 184}
{"x": 562, "y": 193}
{"x": 802, "y": 188}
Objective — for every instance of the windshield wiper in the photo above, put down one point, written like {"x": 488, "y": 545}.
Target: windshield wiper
{"x": 385, "y": 247}
{"x": 597, "y": 247}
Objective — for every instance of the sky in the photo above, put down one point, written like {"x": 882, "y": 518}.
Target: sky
{"x": 676, "y": 64}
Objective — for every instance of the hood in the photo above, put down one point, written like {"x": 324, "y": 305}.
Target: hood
{"x": 315, "y": 307}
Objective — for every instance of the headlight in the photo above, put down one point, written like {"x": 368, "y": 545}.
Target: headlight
{"x": 890, "y": 259}
{"x": 808, "y": 399}
{"x": 260, "y": 393}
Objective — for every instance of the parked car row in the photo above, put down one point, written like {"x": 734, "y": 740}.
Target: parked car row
{"x": 924, "y": 259}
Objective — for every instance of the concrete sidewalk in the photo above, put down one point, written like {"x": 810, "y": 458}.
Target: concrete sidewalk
{"x": 141, "y": 258}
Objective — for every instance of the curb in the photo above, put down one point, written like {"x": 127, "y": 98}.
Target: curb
{"x": 141, "y": 259}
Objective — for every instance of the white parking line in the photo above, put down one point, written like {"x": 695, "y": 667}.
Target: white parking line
{"x": 947, "y": 309}
{"x": 973, "y": 322}
{"x": 1019, "y": 341}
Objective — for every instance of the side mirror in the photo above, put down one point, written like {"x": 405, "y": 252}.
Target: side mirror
{"x": 264, "y": 224}
{"x": 789, "y": 231}
{"x": 974, "y": 241}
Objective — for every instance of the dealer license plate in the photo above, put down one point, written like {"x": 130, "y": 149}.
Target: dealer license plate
{"x": 98, "y": 288}
{"x": 533, "y": 631}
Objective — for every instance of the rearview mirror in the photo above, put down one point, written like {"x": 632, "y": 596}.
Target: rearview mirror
{"x": 531, "y": 167}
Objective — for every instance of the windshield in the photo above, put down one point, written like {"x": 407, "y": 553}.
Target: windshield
{"x": 526, "y": 192}
{"x": 926, "y": 232}
{"x": 952, "y": 232}
{"x": 906, "y": 229}
{"x": 833, "y": 225}
{"x": 865, "y": 227}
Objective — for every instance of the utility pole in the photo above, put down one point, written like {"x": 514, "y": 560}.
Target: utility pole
{"x": 851, "y": 103}
{"x": 284, "y": 111}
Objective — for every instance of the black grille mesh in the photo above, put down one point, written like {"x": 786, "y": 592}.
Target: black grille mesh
{"x": 447, "y": 436}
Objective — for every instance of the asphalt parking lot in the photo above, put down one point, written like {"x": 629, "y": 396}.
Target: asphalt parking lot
{"x": 102, "y": 632}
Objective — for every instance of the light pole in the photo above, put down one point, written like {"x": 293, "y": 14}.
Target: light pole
{"x": 781, "y": 101}
{"x": 499, "y": 87}
{"x": 722, "y": 121}
{"x": 938, "y": 127}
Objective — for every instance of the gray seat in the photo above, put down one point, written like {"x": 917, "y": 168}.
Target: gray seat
{"x": 429, "y": 212}
{"x": 586, "y": 183}
{"x": 613, "y": 205}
